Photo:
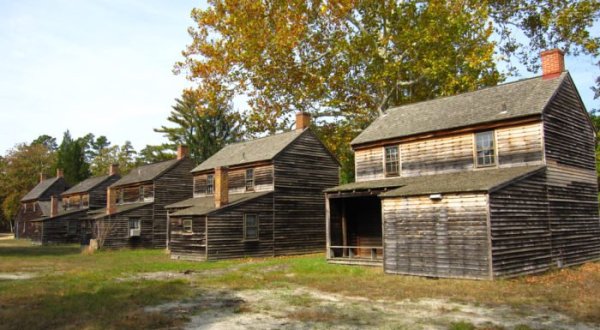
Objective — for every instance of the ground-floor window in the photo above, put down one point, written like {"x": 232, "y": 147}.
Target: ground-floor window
{"x": 250, "y": 227}
{"x": 134, "y": 227}
{"x": 187, "y": 226}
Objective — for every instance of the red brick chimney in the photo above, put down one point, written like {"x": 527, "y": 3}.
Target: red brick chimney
{"x": 221, "y": 186}
{"x": 302, "y": 120}
{"x": 53, "y": 206}
{"x": 42, "y": 176}
{"x": 111, "y": 200}
{"x": 113, "y": 169}
{"x": 553, "y": 63}
{"x": 59, "y": 173}
{"x": 182, "y": 151}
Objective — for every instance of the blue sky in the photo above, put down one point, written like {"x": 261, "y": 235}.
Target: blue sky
{"x": 104, "y": 67}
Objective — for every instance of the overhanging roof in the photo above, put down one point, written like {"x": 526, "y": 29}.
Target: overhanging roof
{"x": 206, "y": 205}
{"x": 120, "y": 208}
{"x": 513, "y": 100}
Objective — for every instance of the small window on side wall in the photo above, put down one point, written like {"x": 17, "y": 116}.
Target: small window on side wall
{"x": 485, "y": 153}
{"x": 250, "y": 179}
{"x": 392, "y": 161}
{"x": 250, "y": 227}
{"x": 210, "y": 184}
{"x": 187, "y": 226}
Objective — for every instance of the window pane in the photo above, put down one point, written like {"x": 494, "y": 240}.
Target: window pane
{"x": 250, "y": 179}
{"x": 392, "y": 163}
{"x": 210, "y": 181}
{"x": 484, "y": 143}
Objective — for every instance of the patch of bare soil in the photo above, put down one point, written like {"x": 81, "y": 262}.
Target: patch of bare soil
{"x": 303, "y": 308}
{"x": 17, "y": 276}
{"x": 5, "y": 236}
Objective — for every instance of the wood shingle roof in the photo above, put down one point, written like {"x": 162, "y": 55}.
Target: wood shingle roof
{"x": 146, "y": 172}
{"x": 518, "y": 99}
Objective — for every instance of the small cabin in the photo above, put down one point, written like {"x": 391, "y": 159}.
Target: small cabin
{"x": 499, "y": 182}
{"x": 135, "y": 214}
{"x": 256, "y": 198}
{"x": 66, "y": 221}
{"x": 36, "y": 204}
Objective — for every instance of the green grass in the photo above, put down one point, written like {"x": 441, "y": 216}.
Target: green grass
{"x": 75, "y": 290}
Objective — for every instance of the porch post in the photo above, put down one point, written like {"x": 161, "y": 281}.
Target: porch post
{"x": 344, "y": 230}
{"x": 327, "y": 227}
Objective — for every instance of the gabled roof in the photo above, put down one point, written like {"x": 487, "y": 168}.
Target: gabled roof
{"x": 86, "y": 185}
{"x": 261, "y": 149}
{"x": 120, "y": 208}
{"x": 40, "y": 189}
{"x": 513, "y": 100}
{"x": 464, "y": 181}
{"x": 146, "y": 172}
{"x": 206, "y": 205}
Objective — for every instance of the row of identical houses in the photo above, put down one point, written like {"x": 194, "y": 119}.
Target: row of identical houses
{"x": 499, "y": 182}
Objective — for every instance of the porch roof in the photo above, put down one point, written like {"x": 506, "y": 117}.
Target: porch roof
{"x": 465, "y": 181}
{"x": 120, "y": 208}
{"x": 205, "y": 205}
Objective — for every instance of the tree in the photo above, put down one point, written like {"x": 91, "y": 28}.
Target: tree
{"x": 123, "y": 155}
{"x": 71, "y": 158}
{"x": 347, "y": 61}
{"x": 204, "y": 121}
{"x": 154, "y": 154}
{"x": 20, "y": 171}
{"x": 47, "y": 141}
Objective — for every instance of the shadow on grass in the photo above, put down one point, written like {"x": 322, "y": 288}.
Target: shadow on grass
{"x": 37, "y": 251}
{"x": 95, "y": 306}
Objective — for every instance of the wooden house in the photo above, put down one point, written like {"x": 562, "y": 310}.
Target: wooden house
{"x": 262, "y": 197}
{"x": 65, "y": 222}
{"x": 494, "y": 183}
{"x": 36, "y": 203}
{"x": 135, "y": 214}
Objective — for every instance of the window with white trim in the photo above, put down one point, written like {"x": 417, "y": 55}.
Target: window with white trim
{"x": 250, "y": 179}
{"x": 392, "y": 161}
{"x": 485, "y": 153}
{"x": 250, "y": 227}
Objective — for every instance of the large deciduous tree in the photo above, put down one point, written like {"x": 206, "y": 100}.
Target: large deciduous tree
{"x": 204, "y": 121}
{"x": 347, "y": 61}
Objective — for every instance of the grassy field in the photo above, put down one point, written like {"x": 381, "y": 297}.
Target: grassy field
{"x": 73, "y": 290}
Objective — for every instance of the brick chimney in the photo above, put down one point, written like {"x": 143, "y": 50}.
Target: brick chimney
{"x": 302, "y": 120}
{"x": 113, "y": 169}
{"x": 111, "y": 200}
{"x": 182, "y": 151}
{"x": 221, "y": 186}
{"x": 553, "y": 63}
{"x": 53, "y": 206}
{"x": 42, "y": 176}
{"x": 59, "y": 173}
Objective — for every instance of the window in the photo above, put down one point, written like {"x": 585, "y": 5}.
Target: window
{"x": 134, "y": 223}
{"x": 24, "y": 207}
{"x": 485, "y": 153}
{"x": 72, "y": 228}
{"x": 187, "y": 226}
{"x": 33, "y": 205}
{"x": 250, "y": 179}
{"x": 210, "y": 184}
{"x": 250, "y": 227}
{"x": 85, "y": 201}
{"x": 392, "y": 162}
{"x": 141, "y": 197}
{"x": 120, "y": 196}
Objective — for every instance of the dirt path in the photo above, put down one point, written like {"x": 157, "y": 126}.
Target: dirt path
{"x": 303, "y": 308}
{"x": 4, "y": 236}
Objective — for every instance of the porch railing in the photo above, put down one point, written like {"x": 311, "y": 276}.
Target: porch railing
{"x": 352, "y": 252}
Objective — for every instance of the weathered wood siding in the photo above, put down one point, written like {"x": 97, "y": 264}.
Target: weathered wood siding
{"x": 369, "y": 164}
{"x": 56, "y": 230}
{"x": 520, "y": 145}
{"x": 440, "y": 155}
{"x": 173, "y": 186}
{"x": 516, "y": 146}
{"x": 520, "y": 227}
{"x": 572, "y": 182}
{"x": 25, "y": 229}
{"x": 446, "y": 238}
{"x": 188, "y": 246}
{"x": 98, "y": 194}
{"x": 263, "y": 180}
{"x": 55, "y": 190}
{"x": 225, "y": 231}
{"x": 117, "y": 228}
{"x": 302, "y": 171}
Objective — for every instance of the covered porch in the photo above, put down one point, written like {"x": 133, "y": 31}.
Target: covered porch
{"x": 354, "y": 229}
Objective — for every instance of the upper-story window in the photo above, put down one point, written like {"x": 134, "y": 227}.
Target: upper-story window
{"x": 392, "y": 161}
{"x": 85, "y": 201}
{"x": 485, "y": 149}
{"x": 210, "y": 184}
{"x": 250, "y": 179}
